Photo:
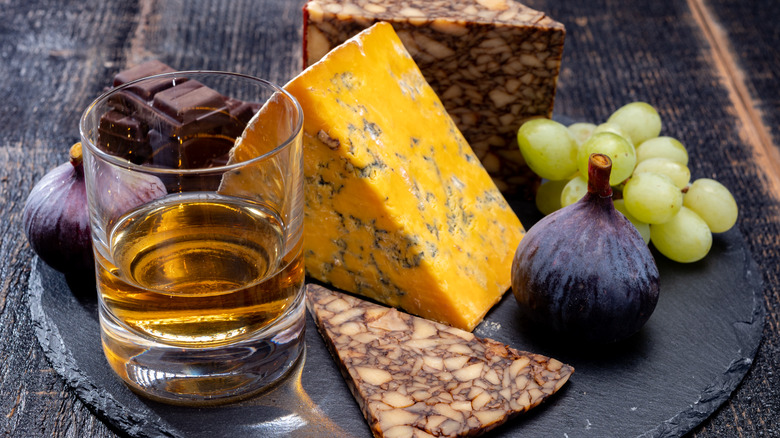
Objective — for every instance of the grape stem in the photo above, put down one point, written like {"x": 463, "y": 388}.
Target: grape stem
{"x": 599, "y": 168}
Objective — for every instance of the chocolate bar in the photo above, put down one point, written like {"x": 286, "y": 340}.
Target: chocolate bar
{"x": 171, "y": 122}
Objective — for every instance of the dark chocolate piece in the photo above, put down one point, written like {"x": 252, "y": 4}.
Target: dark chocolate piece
{"x": 187, "y": 101}
{"x": 171, "y": 122}
{"x": 124, "y": 136}
{"x": 147, "y": 89}
{"x": 148, "y": 68}
{"x": 121, "y": 125}
{"x": 240, "y": 110}
{"x": 189, "y": 153}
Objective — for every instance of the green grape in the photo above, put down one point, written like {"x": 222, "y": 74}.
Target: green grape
{"x": 581, "y": 131}
{"x": 713, "y": 202}
{"x": 679, "y": 173}
{"x": 613, "y": 128}
{"x": 548, "y": 196}
{"x": 574, "y": 190}
{"x": 652, "y": 197}
{"x": 684, "y": 239}
{"x": 642, "y": 227}
{"x": 662, "y": 147}
{"x": 639, "y": 120}
{"x": 548, "y": 148}
{"x": 617, "y": 148}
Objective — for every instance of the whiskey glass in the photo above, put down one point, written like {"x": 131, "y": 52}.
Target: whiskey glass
{"x": 195, "y": 193}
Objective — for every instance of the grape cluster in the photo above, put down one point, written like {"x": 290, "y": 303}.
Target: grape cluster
{"x": 650, "y": 177}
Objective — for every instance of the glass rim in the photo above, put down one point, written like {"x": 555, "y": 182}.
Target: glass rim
{"x": 124, "y": 163}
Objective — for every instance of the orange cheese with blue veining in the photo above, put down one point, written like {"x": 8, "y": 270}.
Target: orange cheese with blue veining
{"x": 398, "y": 207}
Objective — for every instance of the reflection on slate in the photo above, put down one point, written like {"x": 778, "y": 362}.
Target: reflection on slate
{"x": 684, "y": 363}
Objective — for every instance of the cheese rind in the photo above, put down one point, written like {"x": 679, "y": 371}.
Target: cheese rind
{"x": 494, "y": 63}
{"x": 398, "y": 207}
{"x": 414, "y": 377}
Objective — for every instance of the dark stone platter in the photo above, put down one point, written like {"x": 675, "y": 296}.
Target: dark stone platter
{"x": 671, "y": 376}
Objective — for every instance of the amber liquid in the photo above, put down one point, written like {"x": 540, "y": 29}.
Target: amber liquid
{"x": 199, "y": 271}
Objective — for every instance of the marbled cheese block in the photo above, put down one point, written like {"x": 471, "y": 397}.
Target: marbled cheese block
{"x": 416, "y": 378}
{"x": 493, "y": 63}
{"x": 398, "y": 207}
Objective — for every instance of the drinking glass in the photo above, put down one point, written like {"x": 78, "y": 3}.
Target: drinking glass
{"x": 195, "y": 192}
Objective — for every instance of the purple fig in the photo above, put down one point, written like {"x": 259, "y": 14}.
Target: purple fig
{"x": 584, "y": 271}
{"x": 55, "y": 217}
{"x": 56, "y": 214}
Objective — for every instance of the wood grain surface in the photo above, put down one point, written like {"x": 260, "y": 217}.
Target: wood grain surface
{"x": 709, "y": 66}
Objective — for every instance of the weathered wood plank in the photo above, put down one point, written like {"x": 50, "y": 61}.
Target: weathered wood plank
{"x": 736, "y": 81}
{"x": 257, "y": 37}
{"x": 54, "y": 56}
{"x": 746, "y": 35}
{"x": 58, "y": 55}
{"x": 752, "y": 35}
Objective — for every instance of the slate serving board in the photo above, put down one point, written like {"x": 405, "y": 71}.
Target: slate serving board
{"x": 664, "y": 381}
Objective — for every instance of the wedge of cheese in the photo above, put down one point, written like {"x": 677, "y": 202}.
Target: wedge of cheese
{"x": 416, "y": 378}
{"x": 398, "y": 207}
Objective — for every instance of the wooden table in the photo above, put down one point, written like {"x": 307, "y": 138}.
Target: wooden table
{"x": 707, "y": 65}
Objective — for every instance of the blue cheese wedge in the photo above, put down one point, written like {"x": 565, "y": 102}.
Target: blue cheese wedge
{"x": 398, "y": 206}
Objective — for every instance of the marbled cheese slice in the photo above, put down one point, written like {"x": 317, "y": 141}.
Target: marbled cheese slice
{"x": 416, "y": 378}
{"x": 398, "y": 207}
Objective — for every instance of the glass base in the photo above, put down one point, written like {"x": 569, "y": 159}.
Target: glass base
{"x": 205, "y": 375}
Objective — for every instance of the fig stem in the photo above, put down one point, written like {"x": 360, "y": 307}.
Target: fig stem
{"x": 76, "y": 158}
{"x": 599, "y": 168}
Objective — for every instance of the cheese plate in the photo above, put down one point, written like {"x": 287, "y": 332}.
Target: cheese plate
{"x": 664, "y": 381}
